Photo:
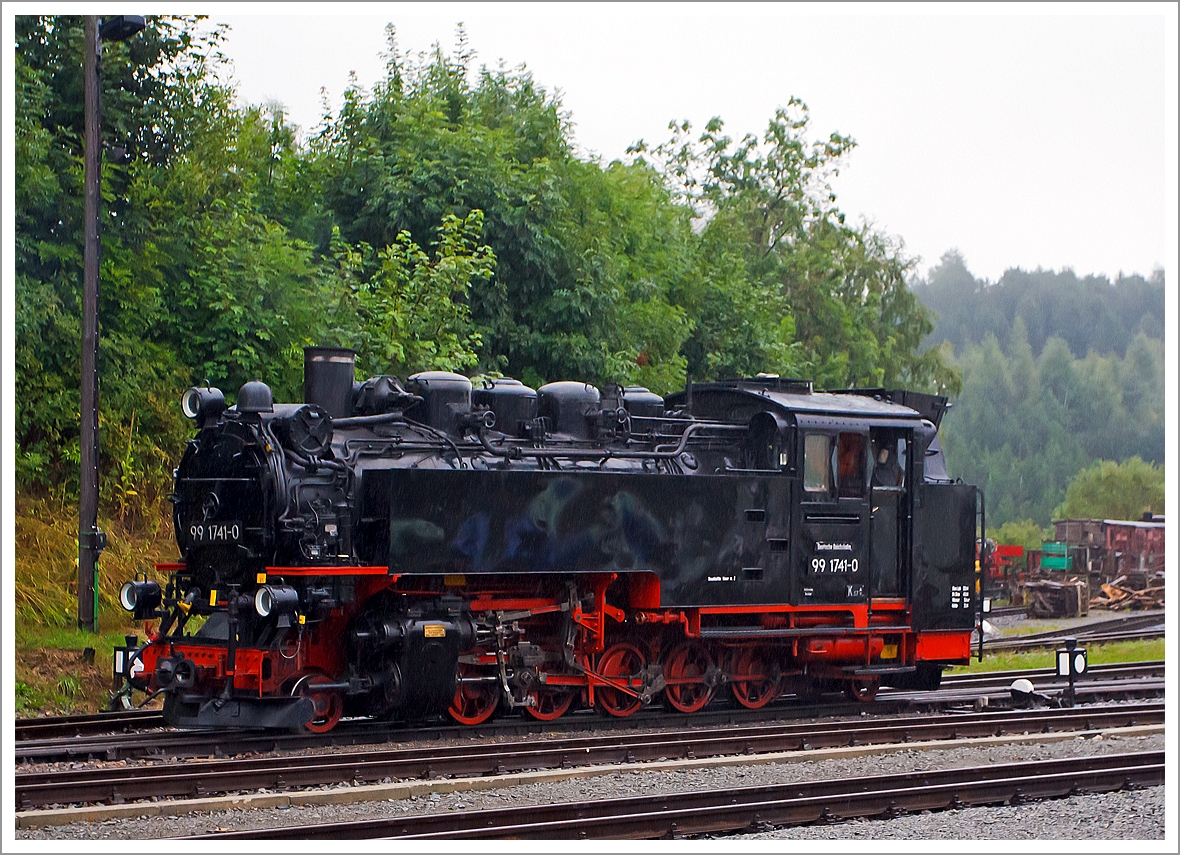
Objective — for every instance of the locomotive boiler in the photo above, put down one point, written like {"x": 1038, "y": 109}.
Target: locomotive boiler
{"x": 407, "y": 550}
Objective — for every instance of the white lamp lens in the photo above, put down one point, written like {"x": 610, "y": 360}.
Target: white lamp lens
{"x": 191, "y": 403}
{"x": 127, "y": 596}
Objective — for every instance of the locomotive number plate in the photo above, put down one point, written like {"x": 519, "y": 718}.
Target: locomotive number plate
{"x": 215, "y": 532}
{"x": 834, "y": 565}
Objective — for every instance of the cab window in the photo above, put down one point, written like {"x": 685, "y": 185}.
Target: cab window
{"x": 817, "y": 469}
{"x": 888, "y": 462}
{"x": 850, "y": 466}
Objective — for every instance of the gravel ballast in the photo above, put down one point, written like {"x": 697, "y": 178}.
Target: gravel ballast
{"x": 1135, "y": 815}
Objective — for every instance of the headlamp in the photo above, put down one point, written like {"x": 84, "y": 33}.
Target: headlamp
{"x": 275, "y": 600}
{"x": 203, "y": 404}
{"x": 141, "y": 597}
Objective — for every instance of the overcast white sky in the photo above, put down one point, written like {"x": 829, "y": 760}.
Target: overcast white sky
{"x": 1023, "y": 136}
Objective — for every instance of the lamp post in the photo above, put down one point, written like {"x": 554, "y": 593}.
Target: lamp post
{"x": 90, "y": 540}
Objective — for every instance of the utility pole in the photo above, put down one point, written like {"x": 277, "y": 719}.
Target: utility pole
{"x": 90, "y": 540}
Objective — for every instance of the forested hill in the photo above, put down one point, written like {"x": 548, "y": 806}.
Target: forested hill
{"x": 1058, "y": 372}
{"x": 1088, "y": 313}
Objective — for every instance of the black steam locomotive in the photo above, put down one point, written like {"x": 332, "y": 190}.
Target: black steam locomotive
{"x": 407, "y": 550}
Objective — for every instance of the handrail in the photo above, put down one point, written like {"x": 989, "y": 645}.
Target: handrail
{"x": 517, "y": 452}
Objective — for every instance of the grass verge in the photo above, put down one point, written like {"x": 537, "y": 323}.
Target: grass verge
{"x": 1148, "y": 650}
{"x": 54, "y": 673}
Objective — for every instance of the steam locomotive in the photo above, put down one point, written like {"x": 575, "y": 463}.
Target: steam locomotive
{"x": 407, "y": 550}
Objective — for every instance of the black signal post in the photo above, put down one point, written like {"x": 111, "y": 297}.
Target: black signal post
{"x": 90, "y": 539}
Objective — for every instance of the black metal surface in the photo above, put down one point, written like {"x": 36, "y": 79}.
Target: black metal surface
{"x": 585, "y": 504}
{"x": 280, "y": 713}
{"x": 464, "y": 522}
{"x": 328, "y": 378}
{"x": 944, "y": 557}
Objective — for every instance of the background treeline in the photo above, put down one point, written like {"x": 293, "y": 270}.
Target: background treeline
{"x": 1058, "y": 374}
{"x": 441, "y": 219}
{"x": 1089, "y": 313}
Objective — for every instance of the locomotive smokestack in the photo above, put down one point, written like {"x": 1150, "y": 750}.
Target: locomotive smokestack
{"x": 327, "y": 379}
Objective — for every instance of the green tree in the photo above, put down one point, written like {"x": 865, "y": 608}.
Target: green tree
{"x": 148, "y": 84}
{"x": 197, "y": 280}
{"x": 443, "y": 219}
{"x": 1088, "y": 313}
{"x": 411, "y": 314}
{"x": 1024, "y": 533}
{"x": 740, "y": 325}
{"x": 843, "y": 288}
{"x": 1024, "y": 426}
{"x": 587, "y": 256}
{"x": 1110, "y": 490}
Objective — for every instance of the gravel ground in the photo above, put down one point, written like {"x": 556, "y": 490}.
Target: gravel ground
{"x": 1113, "y": 816}
{"x": 1105, "y": 816}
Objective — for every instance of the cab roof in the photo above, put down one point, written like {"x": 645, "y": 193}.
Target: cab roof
{"x": 714, "y": 400}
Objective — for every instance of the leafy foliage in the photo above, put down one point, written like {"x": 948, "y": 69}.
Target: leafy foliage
{"x": 154, "y": 95}
{"x": 442, "y": 219}
{"x": 1024, "y": 533}
{"x": 1110, "y": 490}
{"x": 411, "y": 313}
{"x": 836, "y": 306}
{"x": 585, "y": 256}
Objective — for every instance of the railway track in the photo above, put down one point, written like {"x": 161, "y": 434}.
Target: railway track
{"x": 1005, "y": 611}
{"x": 752, "y": 808}
{"x": 115, "y": 785}
{"x": 70, "y": 726}
{"x": 1058, "y": 637}
{"x": 120, "y": 743}
{"x": 127, "y": 721}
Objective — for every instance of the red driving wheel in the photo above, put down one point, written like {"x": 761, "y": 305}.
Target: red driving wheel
{"x": 862, "y": 690}
{"x": 547, "y": 704}
{"x": 684, "y": 675}
{"x": 474, "y": 701}
{"x": 754, "y": 686}
{"x": 328, "y": 704}
{"x": 622, "y": 663}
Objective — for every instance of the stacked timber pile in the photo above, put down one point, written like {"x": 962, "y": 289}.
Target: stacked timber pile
{"x": 1133, "y": 591}
{"x": 1047, "y": 598}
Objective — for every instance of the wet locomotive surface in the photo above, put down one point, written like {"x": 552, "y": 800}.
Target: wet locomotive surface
{"x": 406, "y": 551}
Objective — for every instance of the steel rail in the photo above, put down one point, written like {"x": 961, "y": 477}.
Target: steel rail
{"x": 59, "y": 726}
{"x": 1119, "y": 622}
{"x": 1118, "y": 670}
{"x": 1098, "y": 678}
{"x": 1103, "y": 681}
{"x": 752, "y": 808}
{"x": 1019, "y": 643}
{"x": 201, "y": 778}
